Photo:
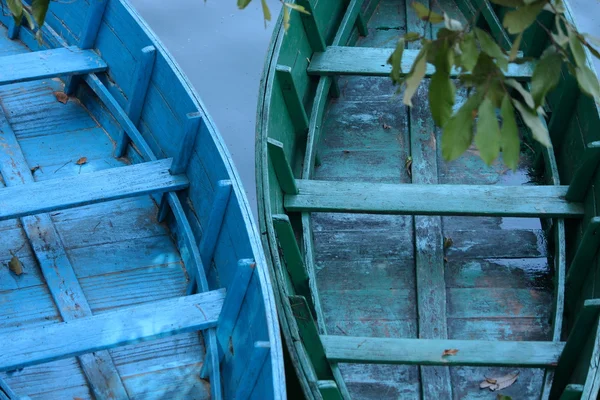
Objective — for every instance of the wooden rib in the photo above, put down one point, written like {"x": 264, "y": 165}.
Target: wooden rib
{"x": 583, "y": 259}
{"x": 91, "y": 188}
{"x": 87, "y": 37}
{"x": 371, "y": 61}
{"x": 6, "y": 392}
{"x": 48, "y": 64}
{"x": 411, "y": 199}
{"x": 282, "y": 166}
{"x": 141, "y": 82}
{"x": 292, "y": 98}
{"x": 58, "y": 272}
{"x": 583, "y": 176}
{"x": 128, "y": 325}
{"x": 13, "y": 29}
{"x": 572, "y": 392}
{"x": 215, "y": 222}
{"x": 592, "y": 380}
{"x": 191, "y": 129}
{"x": 430, "y": 351}
{"x": 586, "y": 319}
{"x": 187, "y": 240}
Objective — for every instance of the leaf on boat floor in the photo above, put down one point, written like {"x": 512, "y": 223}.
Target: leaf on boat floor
{"x": 15, "y": 265}
{"x": 448, "y": 242}
{"x": 499, "y": 383}
{"x": 449, "y": 352}
{"x": 62, "y": 97}
{"x": 81, "y": 161}
{"x": 503, "y": 397}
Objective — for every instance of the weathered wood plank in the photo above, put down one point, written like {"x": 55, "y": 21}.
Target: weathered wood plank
{"x": 49, "y": 64}
{"x": 255, "y": 366}
{"x": 372, "y": 61}
{"x": 413, "y": 199}
{"x": 292, "y": 98}
{"x": 583, "y": 259}
{"x": 582, "y": 179}
{"x": 429, "y": 351}
{"x": 586, "y": 319}
{"x": 111, "y": 329}
{"x": 210, "y": 235}
{"x": 191, "y": 127}
{"x": 110, "y": 184}
{"x": 282, "y": 166}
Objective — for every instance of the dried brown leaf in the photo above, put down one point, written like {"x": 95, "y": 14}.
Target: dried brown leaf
{"x": 499, "y": 383}
{"x": 33, "y": 169}
{"x": 448, "y": 242}
{"x": 449, "y": 352}
{"x": 386, "y": 126}
{"x": 62, "y": 97}
{"x": 81, "y": 161}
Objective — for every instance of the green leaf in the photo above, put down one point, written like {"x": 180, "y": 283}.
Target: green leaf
{"x": 297, "y": 8}
{"x": 518, "y": 20}
{"x": 39, "y": 8}
{"x": 509, "y": 134}
{"x": 16, "y": 9}
{"x": 491, "y": 48}
{"x": 243, "y": 3}
{"x": 29, "y": 19}
{"x": 577, "y": 49}
{"x": 426, "y": 14}
{"x": 266, "y": 11}
{"x": 592, "y": 50}
{"x": 395, "y": 60}
{"x": 545, "y": 77}
{"x": 411, "y": 36}
{"x": 588, "y": 82}
{"x": 441, "y": 98}
{"x": 416, "y": 75}
{"x": 509, "y": 3}
{"x": 503, "y": 397}
{"x": 514, "y": 50}
{"x": 458, "y": 131}
{"x": 487, "y": 138}
{"x": 469, "y": 50}
{"x": 532, "y": 120}
{"x": 524, "y": 93}
{"x": 286, "y": 19}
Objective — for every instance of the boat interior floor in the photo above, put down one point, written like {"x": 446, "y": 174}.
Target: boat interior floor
{"x": 105, "y": 256}
{"x": 398, "y": 276}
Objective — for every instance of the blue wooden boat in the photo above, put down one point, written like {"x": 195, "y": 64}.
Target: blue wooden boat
{"x": 130, "y": 265}
{"x": 401, "y": 275}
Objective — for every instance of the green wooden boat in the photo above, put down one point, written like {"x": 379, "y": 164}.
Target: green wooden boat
{"x": 401, "y": 275}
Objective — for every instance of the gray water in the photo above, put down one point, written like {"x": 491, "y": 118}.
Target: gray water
{"x": 222, "y": 51}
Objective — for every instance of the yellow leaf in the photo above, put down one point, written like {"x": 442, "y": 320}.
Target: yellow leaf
{"x": 413, "y": 80}
{"x": 266, "y": 11}
{"x": 286, "y": 19}
{"x": 297, "y": 8}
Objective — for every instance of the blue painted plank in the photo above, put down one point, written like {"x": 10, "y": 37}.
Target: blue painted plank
{"x": 215, "y": 222}
{"x": 105, "y": 185}
{"x": 255, "y": 366}
{"x": 6, "y": 392}
{"x": 48, "y": 64}
{"x": 181, "y": 160}
{"x": 233, "y": 302}
{"x": 141, "y": 81}
{"x": 87, "y": 38}
{"x": 413, "y": 199}
{"x": 13, "y": 29}
{"x": 111, "y": 329}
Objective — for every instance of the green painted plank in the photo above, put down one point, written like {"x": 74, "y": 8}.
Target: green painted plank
{"x": 582, "y": 180}
{"x": 429, "y": 248}
{"x": 127, "y": 325}
{"x": 495, "y": 26}
{"x": 292, "y": 98}
{"x": 370, "y": 350}
{"x": 282, "y": 166}
{"x": 413, "y": 199}
{"x": 329, "y": 390}
{"x": 588, "y": 316}
{"x": 572, "y": 392}
{"x": 49, "y": 64}
{"x": 94, "y": 187}
{"x": 371, "y": 61}
{"x": 592, "y": 380}
{"x": 311, "y": 27}
{"x": 348, "y": 23}
{"x": 292, "y": 257}
{"x": 583, "y": 259}
{"x": 309, "y": 335}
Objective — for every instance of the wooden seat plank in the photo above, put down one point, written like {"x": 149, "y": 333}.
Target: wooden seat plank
{"x": 371, "y": 61}
{"x": 367, "y": 350}
{"x": 49, "y": 64}
{"x": 413, "y": 199}
{"x": 79, "y": 190}
{"x": 125, "y": 326}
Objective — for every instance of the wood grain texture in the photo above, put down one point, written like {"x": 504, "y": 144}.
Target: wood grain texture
{"x": 112, "y": 184}
{"x": 430, "y": 351}
{"x": 367, "y": 61}
{"x": 49, "y": 64}
{"x": 415, "y": 199}
{"x": 112, "y": 329}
